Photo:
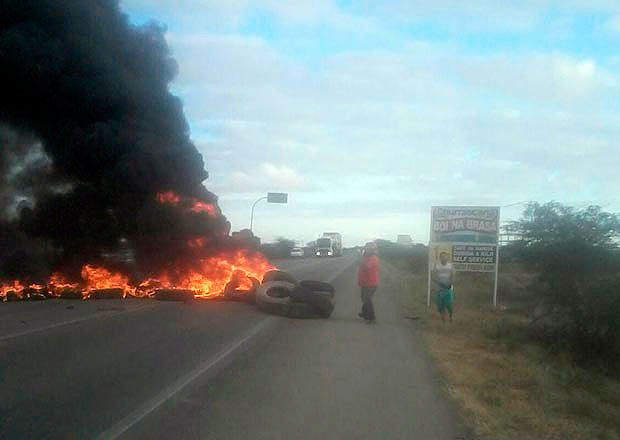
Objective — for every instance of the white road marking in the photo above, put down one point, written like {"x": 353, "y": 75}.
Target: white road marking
{"x": 73, "y": 321}
{"x": 169, "y": 392}
{"x": 132, "y": 419}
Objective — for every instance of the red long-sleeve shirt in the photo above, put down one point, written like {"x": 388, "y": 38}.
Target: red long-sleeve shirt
{"x": 368, "y": 274}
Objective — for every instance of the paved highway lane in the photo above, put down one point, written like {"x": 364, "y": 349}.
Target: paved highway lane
{"x": 75, "y": 369}
{"x": 321, "y": 379}
{"x": 146, "y": 369}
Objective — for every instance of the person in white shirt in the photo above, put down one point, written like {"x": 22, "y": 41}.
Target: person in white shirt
{"x": 443, "y": 275}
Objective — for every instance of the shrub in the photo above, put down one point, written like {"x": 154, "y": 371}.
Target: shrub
{"x": 576, "y": 257}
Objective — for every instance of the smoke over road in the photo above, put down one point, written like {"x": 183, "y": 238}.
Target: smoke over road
{"x": 90, "y": 137}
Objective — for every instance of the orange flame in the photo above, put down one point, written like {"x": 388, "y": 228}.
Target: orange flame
{"x": 100, "y": 278}
{"x": 16, "y": 287}
{"x": 203, "y": 207}
{"x": 210, "y": 275}
{"x": 198, "y": 242}
{"x": 207, "y": 277}
{"x": 168, "y": 197}
{"x": 58, "y": 282}
{"x": 190, "y": 203}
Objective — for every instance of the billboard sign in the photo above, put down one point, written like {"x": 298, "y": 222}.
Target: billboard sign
{"x": 468, "y": 235}
{"x": 474, "y": 258}
{"x": 464, "y": 224}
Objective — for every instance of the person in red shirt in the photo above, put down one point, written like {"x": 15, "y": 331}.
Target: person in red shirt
{"x": 368, "y": 280}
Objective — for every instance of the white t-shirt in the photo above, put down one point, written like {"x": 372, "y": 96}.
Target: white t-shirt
{"x": 444, "y": 273}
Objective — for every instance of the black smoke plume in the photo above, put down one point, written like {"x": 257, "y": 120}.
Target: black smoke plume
{"x": 89, "y": 134}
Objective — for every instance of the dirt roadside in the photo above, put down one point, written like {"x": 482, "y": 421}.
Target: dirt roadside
{"x": 507, "y": 386}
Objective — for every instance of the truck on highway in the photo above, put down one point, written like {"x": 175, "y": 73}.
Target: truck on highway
{"x": 329, "y": 245}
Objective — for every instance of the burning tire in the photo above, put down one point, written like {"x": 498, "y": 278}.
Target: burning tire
{"x": 12, "y": 296}
{"x": 49, "y": 294}
{"x": 279, "y": 275}
{"x": 232, "y": 293}
{"x": 106, "y": 294}
{"x": 34, "y": 294}
{"x": 174, "y": 295}
{"x": 70, "y": 293}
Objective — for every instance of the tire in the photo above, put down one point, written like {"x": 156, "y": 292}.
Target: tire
{"x": 321, "y": 302}
{"x": 70, "y": 293}
{"x": 318, "y": 286}
{"x": 106, "y": 294}
{"x": 12, "y": 296}
{"x": 49, "y": 294}
{"x": 279, "y": 275}
{"x": 271, "y": 298}
{"x": 300, "y": 294}
{"x": 174, "y": 295}
{"x": 301, "y": 310}
{"x": 34, "y": 294}
{"x": 255, "y": 283}
{"x": 246, "y": 296}
{"x": 241, "y": 295}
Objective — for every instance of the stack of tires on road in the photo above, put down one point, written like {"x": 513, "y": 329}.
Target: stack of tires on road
{"x": 281, "y": 294}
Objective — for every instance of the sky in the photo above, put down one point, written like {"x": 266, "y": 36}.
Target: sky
{"x": 368, "y": 113}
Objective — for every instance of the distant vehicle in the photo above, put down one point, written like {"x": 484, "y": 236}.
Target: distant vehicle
{"x": 329, "y": 245}
{"x": 297, "y": 252}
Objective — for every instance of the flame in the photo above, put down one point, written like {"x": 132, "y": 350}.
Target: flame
{"x": 189, "y": 203}
{"x": 101, "y": 278}
{"x": 198, "y": 242}
{"x": 168, "y": 197}
{"x": 16, "y": 287}
{"x": 209, "y": 276}
{"x": 206, "y": 276}
{"x": 58, "y": 282}
{"x": 203, "y": 207}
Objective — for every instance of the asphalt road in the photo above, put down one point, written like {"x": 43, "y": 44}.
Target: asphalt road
{"x": 148, "y": 369}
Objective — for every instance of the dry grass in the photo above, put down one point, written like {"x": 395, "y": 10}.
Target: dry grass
{"x": 507, "y": 386}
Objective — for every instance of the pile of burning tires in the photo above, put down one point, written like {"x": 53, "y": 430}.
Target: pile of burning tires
{"x": 281, "y": 294}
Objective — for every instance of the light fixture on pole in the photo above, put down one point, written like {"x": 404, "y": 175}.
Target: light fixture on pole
{"x": 271, "y": 198}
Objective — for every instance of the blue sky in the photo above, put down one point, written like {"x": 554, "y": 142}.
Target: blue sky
{"x": 368, "y": 113}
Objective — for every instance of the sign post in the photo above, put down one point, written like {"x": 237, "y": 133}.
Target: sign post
{"x": 496, "y": 265}
{"x": 469, "y": 234}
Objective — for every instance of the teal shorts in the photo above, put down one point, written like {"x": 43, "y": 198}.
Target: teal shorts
{"x": 443, "y": 299}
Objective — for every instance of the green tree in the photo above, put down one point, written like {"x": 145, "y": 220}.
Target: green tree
{"x": 576, "y": 255}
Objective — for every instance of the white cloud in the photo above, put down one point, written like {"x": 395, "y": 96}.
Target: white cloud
{"x": 395, "y": 113}
{"x": 265, "y": 177}
{"x": 386, "y": 133}
{"x": 542, "y": 78}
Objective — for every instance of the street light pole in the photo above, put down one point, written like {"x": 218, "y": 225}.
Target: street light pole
{"x": 252, "y": 216}
{"x": 271, "y": 198}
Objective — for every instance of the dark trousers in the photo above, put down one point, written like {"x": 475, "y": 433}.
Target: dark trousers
{"x": 368, "y": 309}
